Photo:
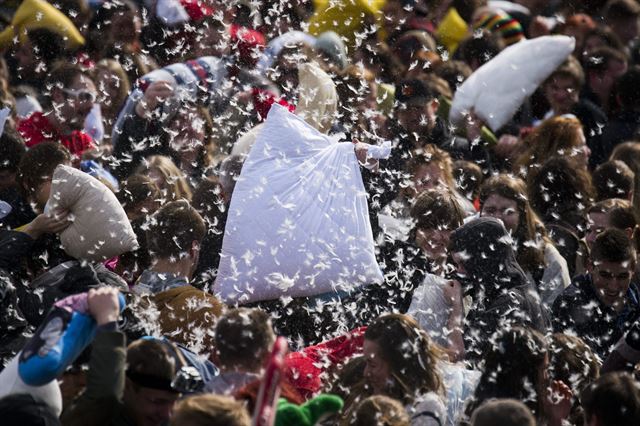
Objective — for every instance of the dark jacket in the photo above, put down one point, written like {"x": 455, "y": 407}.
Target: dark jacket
{"x": 579, "y": 310}
{"x": 593, "y": 120}
{"x": 501, "y": 293}
{"x": 101, "y": 402}
{"x": 622, "y": 128}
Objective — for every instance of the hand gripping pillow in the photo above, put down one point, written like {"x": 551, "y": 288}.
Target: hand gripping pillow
{"x": 496, "y": 90}
{"x": 100, "y": 228}
{"x": 298, "y": 223}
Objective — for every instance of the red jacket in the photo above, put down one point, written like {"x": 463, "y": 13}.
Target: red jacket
{"x": 37, "y": 128}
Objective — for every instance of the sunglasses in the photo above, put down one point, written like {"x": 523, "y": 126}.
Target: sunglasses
{"x": 81, "y": 95}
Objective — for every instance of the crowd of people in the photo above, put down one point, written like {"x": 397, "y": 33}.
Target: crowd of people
{"x": 509, "y": 256}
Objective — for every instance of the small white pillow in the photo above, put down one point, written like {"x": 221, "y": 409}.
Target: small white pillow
{"x": 100, "y": 228}
{"x": 497, "y": 89}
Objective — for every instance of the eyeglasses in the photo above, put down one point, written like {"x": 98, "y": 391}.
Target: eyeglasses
{"x": 82, "y": 95}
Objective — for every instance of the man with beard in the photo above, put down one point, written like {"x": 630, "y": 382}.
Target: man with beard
{"x": 71, "y": 95}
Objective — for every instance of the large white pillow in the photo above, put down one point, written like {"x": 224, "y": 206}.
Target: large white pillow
{"x": 497, "y": 89}
{"x": 100, "y": 228}
{"x": 298, "y": 223}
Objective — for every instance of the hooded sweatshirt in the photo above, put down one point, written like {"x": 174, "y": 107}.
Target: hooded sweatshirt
{"x": 501, "y": 294}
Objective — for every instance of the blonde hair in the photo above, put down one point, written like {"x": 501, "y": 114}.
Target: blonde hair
{"x": 174, "y": 186}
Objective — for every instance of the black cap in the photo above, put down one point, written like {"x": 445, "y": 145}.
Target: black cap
{"x": 415, "y": 92}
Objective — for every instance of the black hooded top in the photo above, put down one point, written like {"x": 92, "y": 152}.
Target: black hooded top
{"x": 501, "y": 294}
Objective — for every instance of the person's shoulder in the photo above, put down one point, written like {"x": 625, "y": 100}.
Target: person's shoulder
{"x": 428, "y": 409}
{"x": 577, "y": 292}
{"x": 32, "y": 127}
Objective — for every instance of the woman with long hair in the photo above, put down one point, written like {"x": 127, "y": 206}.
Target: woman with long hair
{"x": 557, "y": 136}
{"x": 505, "y": 197}
{"x": 515, "y": 367}
{"x": 499, "y": 293}
{"x": 401, "y": 363}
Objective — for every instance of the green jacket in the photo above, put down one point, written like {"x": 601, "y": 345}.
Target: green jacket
{"x": 101, "y": 402}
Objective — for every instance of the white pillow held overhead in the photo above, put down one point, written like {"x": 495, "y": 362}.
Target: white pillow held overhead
{"x": 298, "y": 223}
{"x": 496, "y": 90}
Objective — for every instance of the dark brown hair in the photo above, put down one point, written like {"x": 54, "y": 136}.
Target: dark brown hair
{"x": 174, "y": 228}
{"x": 437, "y": 209}
{"x": 613, "y": 179}
{"x": 530, "y": 227}
{"x": 38, "y": 164}
{"x": 243, "y": 337}
{"x": 411, "y": 356}
{"x": 614, "y": 399}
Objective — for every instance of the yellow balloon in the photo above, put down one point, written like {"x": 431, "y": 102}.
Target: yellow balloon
{"x": 34, "y": 14}
{"x": 345, "y": 17}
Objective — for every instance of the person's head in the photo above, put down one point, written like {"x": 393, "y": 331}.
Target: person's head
{"x": 601, "y": 36}
{"x": 139, "y": 196}
{"x": 190, "y": 131}
{"x": 12, "y": 149}
{"x": 356, "y": 90}
{"x": 611, "y": 213}
{"x": 485, "y": 258}
{"x": 36, "y": 168}
{"x": 572, "y": 361}
{"x": 175, "y": 233}
{"x": 622, "y": 17}
{"x": 578, "y": 26}
{"x": 514, "y": 367}
{"x": 71, "y": 93}
{"x": 418, "y": 104}
{"x": 430, "y": 168}
{"x": 555, "y": 136}
{"x": 209, "y": 201}
{"x": 212, "y": 38}
{"x": 436, "y": 213}
{"x": 505, "y": 197}
{"x": 628, "y": 89}
{"x": 148, "y": 396}
{"x": 479, "y": 49}
{"x": 113, "y": 85}
{"x": 613, "y": 179}
{"x": 210, "y": 410}
{"x": 603, "y": 66}
{"x": 243, "y": 340}
{"x": 468, "y": 177}
{"x": 396, "y": 15}
{"x": 612, "y": 400}
{"x": 400, "y": 358}
{"x": 562, "y": 88}
{"x": 378, "y": 410}
{"x": 505, "y": 412}
{"x": 38, "y": 51}
{"x": 560, "y": 191}
{"x": 169, "y": 178}
{"x": 612, "y": 263}
{"x": 230, "y": 170}
{"x": 454, "y": 72}
{"x": 118, "y": 22}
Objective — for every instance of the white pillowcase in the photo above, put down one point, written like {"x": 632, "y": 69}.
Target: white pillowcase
{"x": 100, "y": 228}
{"x": 298, "y": 223}
{"x": 497, "y": 89}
